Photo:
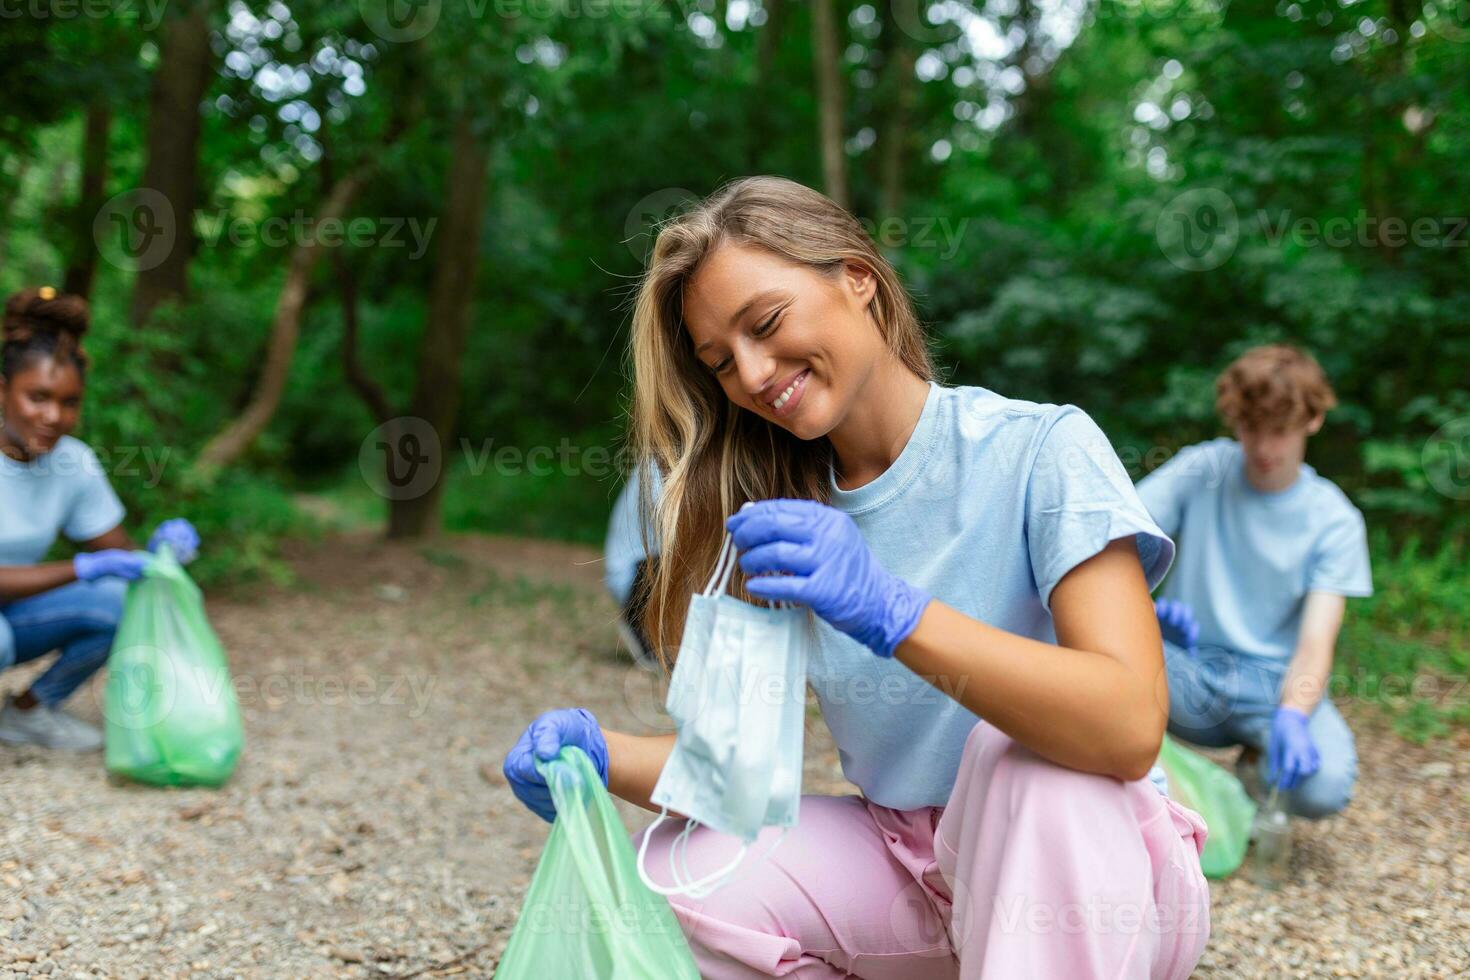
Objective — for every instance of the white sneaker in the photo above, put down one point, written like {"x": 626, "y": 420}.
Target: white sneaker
{"x": 47, "y": 726}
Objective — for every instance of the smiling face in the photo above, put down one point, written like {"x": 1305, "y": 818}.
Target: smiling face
{"x": 41, "y": 403}
{"x": 786, "y": 341}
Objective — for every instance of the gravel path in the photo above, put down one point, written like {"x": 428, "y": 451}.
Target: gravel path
{"x": 367, "y": 831}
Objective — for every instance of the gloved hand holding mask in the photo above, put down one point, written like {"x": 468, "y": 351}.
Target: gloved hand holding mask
{"x": 738, "y": 696}
{"x": 831, "y": 568}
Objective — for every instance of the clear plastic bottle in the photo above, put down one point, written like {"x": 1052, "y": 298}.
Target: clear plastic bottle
{"x": 1271, "y": 837}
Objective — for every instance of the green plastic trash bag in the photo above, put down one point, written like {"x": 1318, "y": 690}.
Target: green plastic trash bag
{"x": 169, "y": 711}
{"x": 1216, "y": 795}
{"x": 587, "y": 913}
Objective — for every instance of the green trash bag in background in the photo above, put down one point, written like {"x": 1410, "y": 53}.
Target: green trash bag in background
{"x": 169, "y": 711}
{"x": 587, "y": 914}
{"x": 1215, "y": 794}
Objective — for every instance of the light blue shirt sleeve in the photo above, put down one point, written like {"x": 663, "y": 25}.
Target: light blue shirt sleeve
{"x": 95, "y": 508}
{"x": 1340, "y": 561}
{"x": 1165, "y": 490}
{"x": 1078, "y": 498}
{"x": 623, "y": 548}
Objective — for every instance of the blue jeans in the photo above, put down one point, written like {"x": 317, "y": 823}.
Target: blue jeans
{"x": 79, "y": 618}
{"x": 1220, "y": 698}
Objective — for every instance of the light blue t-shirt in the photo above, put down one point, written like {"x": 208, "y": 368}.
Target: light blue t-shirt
{"x": 990, "y": 503}
{"x": 623, "y": 549}
{"x": 64, "y": 491}
{"x": 1248, "y": 558}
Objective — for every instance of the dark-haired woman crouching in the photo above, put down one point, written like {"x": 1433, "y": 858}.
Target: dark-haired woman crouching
{"x": 50, "y": 483}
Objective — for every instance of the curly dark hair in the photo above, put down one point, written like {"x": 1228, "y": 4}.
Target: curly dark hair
{"x": 39, "y": 323}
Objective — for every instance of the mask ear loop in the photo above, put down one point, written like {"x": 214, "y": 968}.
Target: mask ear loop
{"x": 724, "y": 567}
{"x": 682, "y": 885}
{"x": 725, "y": 876}
{"x": 663, "y": 813}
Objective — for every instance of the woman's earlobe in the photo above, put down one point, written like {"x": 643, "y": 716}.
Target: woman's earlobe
{"x": 864, "y": 282}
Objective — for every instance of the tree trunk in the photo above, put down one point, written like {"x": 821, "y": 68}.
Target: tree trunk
{"x": 358, "y": 379}
{"x": 830, "y": 103}
{"x": 437, "y": 393}
{"x": 758, "y": 126}
{"x": 769, "y": 38}
{"x": 81, "y": 271}
{"x": 172, "y": 170}
{"x": 895, "y": 143}
{"x": 229, "y": 444}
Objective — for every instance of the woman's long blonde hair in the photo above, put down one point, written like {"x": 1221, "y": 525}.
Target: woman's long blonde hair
{"x": 712, "y": 455}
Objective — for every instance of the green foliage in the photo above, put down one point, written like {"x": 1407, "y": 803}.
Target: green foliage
{"x": 562, "y": 504}
{"x": 1407, "y": 647}
{"x": 1061, "y": 157}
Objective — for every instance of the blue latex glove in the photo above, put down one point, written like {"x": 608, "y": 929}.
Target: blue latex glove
{"x": 180, "y": 536}
{"x": 1292, "y": 756}
{"x": 1177, "y": 623}
{"x": 92, "y": 565}
{"x": 543, "y": 739}
{"x": 832, "y": 570}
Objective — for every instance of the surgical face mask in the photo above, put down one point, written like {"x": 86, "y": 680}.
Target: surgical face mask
{"x": 738, "y": 697}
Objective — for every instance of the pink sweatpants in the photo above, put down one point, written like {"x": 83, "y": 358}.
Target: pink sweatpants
{"x": 1032, "y": 871}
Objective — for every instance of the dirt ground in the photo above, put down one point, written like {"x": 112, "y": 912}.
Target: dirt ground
{"x": 367, "y": 831}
